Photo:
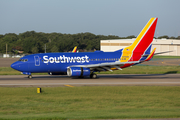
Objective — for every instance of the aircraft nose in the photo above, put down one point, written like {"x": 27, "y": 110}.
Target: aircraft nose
{"x": 14, "y": 66}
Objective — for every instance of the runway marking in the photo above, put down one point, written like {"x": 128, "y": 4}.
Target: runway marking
{"x": 107, "y": 83}
{"x": 69, "y": 85}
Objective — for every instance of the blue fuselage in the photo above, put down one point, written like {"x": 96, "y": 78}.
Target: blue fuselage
{"x": 58, "y": 62}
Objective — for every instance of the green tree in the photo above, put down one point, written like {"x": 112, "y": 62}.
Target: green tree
{"x": 172, "y": 37}
{"x": 54, "y": 49}
{"x": 35, "y": 50}
{"x": 130, "y": 37}
{"x": 28, "y": 43}
{"x": 33, "y": 42}
{"x": 178, "y": 37}
{"x": 164, "y": 36}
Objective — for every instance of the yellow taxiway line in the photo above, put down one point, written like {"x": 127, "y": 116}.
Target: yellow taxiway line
{"x": 69, "y": 85}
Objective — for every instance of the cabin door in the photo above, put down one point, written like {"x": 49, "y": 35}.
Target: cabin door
{"x": 37, "y": 61}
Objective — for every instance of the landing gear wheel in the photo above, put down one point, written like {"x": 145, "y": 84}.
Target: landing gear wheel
{"x": 30, "y": 76}
{"x": 93, "y": 75}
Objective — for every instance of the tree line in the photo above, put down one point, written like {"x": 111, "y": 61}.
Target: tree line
{"x": 35, "y": 42}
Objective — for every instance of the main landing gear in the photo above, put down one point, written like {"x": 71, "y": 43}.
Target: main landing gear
{"x": 93, "y": 75}
{"x": 30, "y": 76}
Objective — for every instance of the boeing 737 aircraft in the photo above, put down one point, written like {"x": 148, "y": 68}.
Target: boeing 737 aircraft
{"x": 87, "y": 63}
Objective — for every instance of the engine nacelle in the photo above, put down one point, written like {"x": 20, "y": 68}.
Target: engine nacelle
{"x": 78, "y": 71}
{"x": 57, "y": 73}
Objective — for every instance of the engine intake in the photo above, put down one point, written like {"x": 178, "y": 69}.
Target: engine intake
{"x": 78, "y": 71}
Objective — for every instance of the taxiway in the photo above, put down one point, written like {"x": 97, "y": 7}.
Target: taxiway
{"x": 106, "y": 80}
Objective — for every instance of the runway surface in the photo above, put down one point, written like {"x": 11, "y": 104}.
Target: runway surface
{"x": 106, "y": 80}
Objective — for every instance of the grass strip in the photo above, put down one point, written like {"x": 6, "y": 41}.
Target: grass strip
{"x": 10, "y": 71}
{"x": 98, "y": 102}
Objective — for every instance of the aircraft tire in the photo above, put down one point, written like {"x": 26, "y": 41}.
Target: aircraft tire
{"x": 93, "y": 75}
{"x": 30, "y": 76}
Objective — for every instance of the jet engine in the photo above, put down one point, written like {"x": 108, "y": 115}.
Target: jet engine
{"x": 78, "y": 71}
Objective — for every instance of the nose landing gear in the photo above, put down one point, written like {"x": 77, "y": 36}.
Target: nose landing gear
{"x": 27, "y": 73}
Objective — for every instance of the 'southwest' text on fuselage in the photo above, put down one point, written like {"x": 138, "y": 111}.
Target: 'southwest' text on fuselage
{"x": 64, "y": 59}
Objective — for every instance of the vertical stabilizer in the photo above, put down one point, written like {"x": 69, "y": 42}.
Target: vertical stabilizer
{"x": 141, "y": 44}
{"x": 75, "y": 49}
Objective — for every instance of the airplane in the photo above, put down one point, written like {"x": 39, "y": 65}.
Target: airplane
{"x": 87, "y": 63}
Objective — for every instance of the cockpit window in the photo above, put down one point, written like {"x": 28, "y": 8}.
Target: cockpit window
{"x": 23, "y": 60}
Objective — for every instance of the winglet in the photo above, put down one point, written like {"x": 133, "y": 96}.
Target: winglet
{"x": 150, "y": 55}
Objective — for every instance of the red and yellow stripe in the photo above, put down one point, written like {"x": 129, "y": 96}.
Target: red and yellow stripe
{"x": 75, "y": 49}
{"x": 151, "y": 55}
{"x": 142, "y": 42}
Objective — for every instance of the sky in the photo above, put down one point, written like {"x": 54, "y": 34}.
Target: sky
{"x": 101, "y": 17}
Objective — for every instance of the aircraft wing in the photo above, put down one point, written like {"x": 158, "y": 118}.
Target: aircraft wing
{"x": 105, "y": 66}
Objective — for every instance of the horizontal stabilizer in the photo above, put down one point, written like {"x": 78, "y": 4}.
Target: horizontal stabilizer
{"x": 162, "y": 52}
{"x": 151, "y": 55}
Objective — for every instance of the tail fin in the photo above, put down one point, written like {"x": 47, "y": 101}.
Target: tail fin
{"x": 142, "y": 44}
{"x": 75, "y": 49}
